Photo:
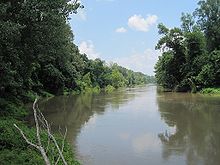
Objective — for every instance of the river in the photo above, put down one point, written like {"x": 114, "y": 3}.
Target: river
{"x": 139, "y": 126}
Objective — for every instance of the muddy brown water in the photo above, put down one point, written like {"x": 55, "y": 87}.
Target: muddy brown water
{"x": 139, "y": 126}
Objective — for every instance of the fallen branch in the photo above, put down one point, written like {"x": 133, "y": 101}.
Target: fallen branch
{"x": 39, "y": 117}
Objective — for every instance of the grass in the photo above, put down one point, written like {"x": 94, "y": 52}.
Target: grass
{"x": 13, "y": 148}
{"x": 210, "y": 91}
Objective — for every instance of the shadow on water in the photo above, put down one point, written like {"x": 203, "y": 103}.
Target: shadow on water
{"x": 196, "y": 120}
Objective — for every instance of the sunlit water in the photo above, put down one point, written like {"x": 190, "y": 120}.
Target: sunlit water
{"x": 139, "y": 126}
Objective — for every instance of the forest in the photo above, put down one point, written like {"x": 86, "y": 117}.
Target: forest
{"x": 38, "y": 54}
{"x": 38, "y": 57}
{"x": 190, "y": 58}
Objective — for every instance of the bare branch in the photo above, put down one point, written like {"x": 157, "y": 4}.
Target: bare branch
{"x": 25, "y": 138}
{"x": 58, "y": 148}
{"x": 42, "y": 150}
{"x": 48, "y": 131}
{"x": 47, "y": 127}
{"x": 39, "y": 117}
{"x": 62, "y": 146}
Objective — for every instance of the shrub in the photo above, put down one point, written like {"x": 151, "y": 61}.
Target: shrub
{"x": 109, "y": 89}
{"x": 210, "y": 91}
{"x": 14, "y": 149}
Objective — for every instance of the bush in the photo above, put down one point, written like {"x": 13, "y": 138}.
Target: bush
{"x": 109, "y": 89}
{"x": 8, "y": 108}
{"x": 96, "y": 89}
{"x": 210, "y": 91}
{"x": 14, "y": 149}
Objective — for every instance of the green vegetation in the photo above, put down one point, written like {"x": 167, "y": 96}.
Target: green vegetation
{"x": 38, "y": 57}
{"x": 109, "y": 89}
{"x": 14, "y": 149}
{"x": 212, "y": 91}
{"x": 190, "y": 57}
{"x": 37, "y": 53}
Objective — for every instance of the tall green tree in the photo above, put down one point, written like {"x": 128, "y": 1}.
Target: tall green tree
{"x": 190, "y": 58}
{"x": 208, "y": 14}
{"x": 36, "y": 43}
{"x": 172, "y": 43}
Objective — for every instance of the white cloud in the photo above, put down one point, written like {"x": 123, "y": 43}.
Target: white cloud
{"x": 87, "y": 47}
{"x": 141, "y": 62}
{"x": 121, "y": 30}
{"x": 139, "y": 23}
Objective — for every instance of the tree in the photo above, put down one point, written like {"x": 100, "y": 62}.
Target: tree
{"x": 164, "y": 71}
{"x": 36, "y": 45}
{"x": 172, "y": 45}
{"x": 10, "y": 54}
{"x": 117, "y": 79}
{"x": 210, "y": 71}
{"x": 37, "y": 52}
{"x": 191, "y": 53}
{"x": 188, "y": 22}
{"x": 98, "y": 70}
{"x": 195, "y": 50}
{"x": 208, "y": 14}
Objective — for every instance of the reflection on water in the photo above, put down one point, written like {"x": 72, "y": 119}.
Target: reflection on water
{"x": 75, "y": 111}
{"x": 197, "y": 122}
{"x": 139, "y": 126}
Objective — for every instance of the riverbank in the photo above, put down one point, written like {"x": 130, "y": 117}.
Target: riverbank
{"x": 13, "y": 112}
{"x": 204, "y": 91}
{"x": 14, "y": 149}
{"x": 210, "y": 91}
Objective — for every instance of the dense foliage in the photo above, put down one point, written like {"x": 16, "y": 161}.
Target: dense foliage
{"x": 14, "y": 150}
{"x": 37, "y": 52}
{"x": 38, "y": 57}
{"x": 191, "y": 54}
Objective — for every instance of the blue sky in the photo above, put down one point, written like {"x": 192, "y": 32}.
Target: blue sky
{"x": 125, "y": 31}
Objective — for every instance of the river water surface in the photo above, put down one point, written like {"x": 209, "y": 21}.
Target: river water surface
{"x": 139, "y": 126}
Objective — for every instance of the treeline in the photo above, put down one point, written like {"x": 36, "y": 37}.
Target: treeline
{"x": 38, "y": 56}
{"x": 37, "y": 53}
{"x": 191, "y": 54}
